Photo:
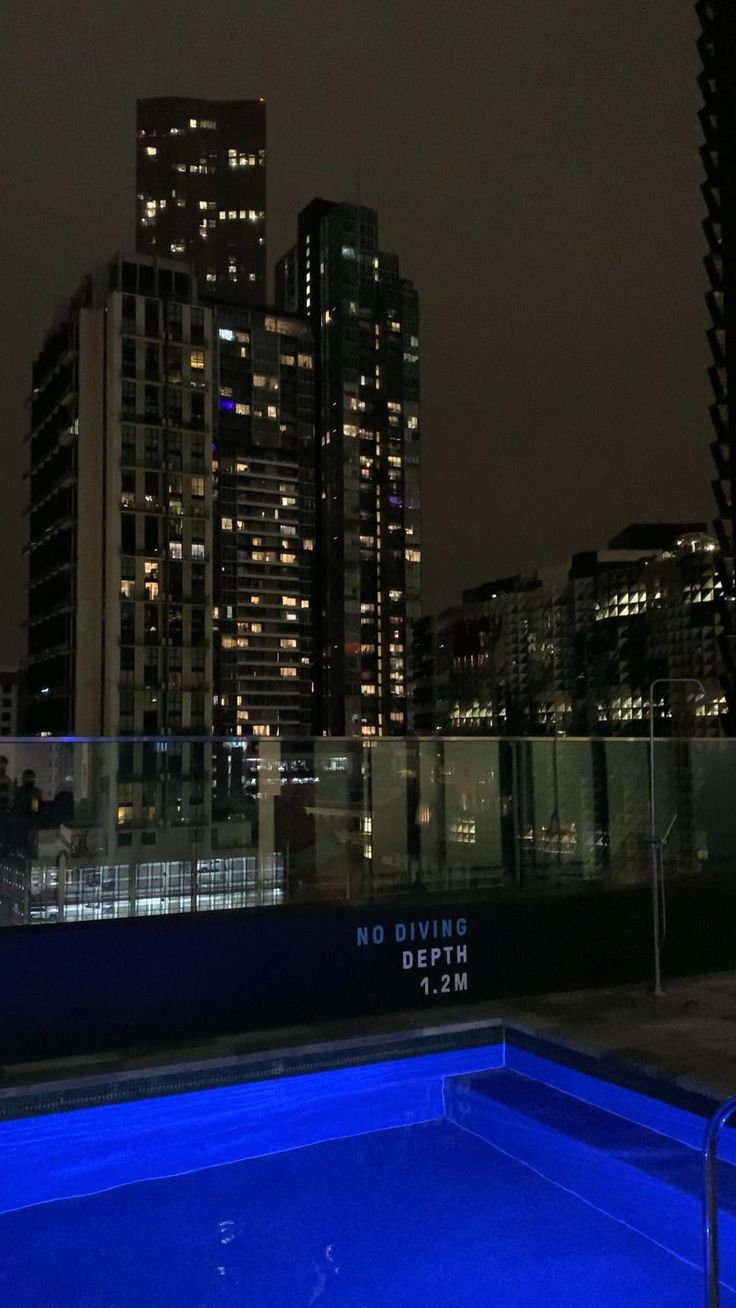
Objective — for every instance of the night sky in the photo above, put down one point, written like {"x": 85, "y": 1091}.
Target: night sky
{"x": 534, "y": 163}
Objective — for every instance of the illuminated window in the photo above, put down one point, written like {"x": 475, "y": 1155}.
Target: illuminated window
{"x": 175, "y": 549}
{"x": 272, "y": 411}
{"x": 288, "y": 558}
{"x": 288, "y": 642}
{"x": 178, "y": 247}
{"x": 193, "y": 122}
{"x": 288, "y": 672}
{"x": 242, "y": 409}
{"x": 196, "y": 359}
{"x": 288, "y": 601}
{"x": 151, "y": 151}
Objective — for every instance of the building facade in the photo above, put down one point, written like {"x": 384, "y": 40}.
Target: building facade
{"x": 717, "y": 45}
{"x": 364, "y": 319}
{"x": 120, "y": 509}
{"x": 9, "y": 701}
{"x": 575, "y": 650}
{"x": 264, "y": 535}
{"x": 201, "y": 190}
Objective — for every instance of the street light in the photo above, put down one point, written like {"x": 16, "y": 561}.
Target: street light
{"x": 657, "y": 844}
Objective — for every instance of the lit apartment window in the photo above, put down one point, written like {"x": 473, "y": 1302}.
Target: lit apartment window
{"x": 151, "y": 151}
{"x": 288, "y": 672}
{"x": 196, "y": 359}
{"x": 288, "y": 601}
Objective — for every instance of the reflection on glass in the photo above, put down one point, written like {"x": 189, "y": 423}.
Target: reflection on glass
{"x": 101, "y": 829}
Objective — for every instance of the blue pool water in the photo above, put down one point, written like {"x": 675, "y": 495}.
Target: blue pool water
{"x": 477, "y": 1177}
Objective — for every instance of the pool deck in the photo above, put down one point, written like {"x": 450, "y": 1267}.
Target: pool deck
{"x": 687, "y": 1036}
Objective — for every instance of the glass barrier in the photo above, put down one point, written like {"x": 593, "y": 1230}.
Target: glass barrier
{"x": 100, "y": 829}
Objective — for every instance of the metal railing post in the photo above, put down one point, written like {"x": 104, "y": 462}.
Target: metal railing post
{"x": 656, "y": 844}
{"x": 710, "y": 1202}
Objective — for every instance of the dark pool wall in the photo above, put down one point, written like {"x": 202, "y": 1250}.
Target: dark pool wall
{"x": 77, "y": 988}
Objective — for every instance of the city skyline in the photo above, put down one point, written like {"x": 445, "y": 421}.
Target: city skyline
{"x": 552, "y": 392}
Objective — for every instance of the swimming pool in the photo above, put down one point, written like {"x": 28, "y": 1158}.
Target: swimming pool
{"x": 483, "y": 1175}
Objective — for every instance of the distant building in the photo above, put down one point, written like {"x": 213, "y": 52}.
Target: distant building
{"x": 264, "y": 533}
{"x": 575, "y": 650}
{"x": 201, "y": 184}
{"x": 365, "y": 322}
{"x": 717, "y": 45}
{"x": 9, "y": 701}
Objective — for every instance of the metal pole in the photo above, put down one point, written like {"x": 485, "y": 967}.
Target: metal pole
{"x": 710, "y": 1202}
{"x": 654, "y": 842}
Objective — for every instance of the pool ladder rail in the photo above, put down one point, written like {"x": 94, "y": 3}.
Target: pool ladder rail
{"x": 710, "y": 1201}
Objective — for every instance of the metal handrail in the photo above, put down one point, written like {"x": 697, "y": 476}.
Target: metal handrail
{"x": 710, "y": 1200}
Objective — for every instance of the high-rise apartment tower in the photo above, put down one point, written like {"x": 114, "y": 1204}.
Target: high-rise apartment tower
{"x": 201, "y": 183}
{"x": 364, "y": 318}
{"x": 717, "y": 46}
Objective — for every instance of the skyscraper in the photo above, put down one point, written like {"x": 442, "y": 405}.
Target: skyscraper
{"x": 120, "y": 508}
{"x": 264, "y": 534}
{"x": 717, "y": 46}
{"x": 201, "y": 183}
{"x": 364, "y": 319}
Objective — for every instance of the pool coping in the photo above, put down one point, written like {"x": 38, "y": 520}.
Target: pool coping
{"x": 219, "y": 1069}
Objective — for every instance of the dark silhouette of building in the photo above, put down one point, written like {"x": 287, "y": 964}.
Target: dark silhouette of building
{"x": 364, "y": 318}
{"x": 201, "y": 183}
{"x": 717, "y": 45}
